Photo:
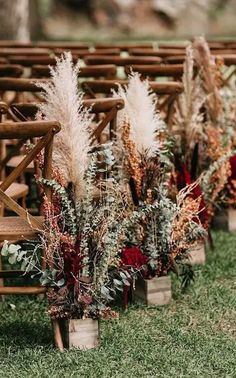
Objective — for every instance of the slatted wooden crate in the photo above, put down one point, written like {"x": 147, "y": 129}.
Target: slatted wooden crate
{"x": 225, "y": 220}
{"x": 232, "y": 220}
{"x": 80, "y": 333}
{"x": 156, "y": 291}
{"x": 197, "y": 254}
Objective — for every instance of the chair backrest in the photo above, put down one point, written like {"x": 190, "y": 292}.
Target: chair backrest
{"x": 177, "y": 59}
{"x": 104, "y": 110}
{"x": 153, "y": 71}
{"x": 81, "y": 53}
{"x": 173, "y": 45}
{"x": 169, "y": 92}
{"x": 9, "y": 51}
{"x": 162, "y": 53}
{"x": 121, "y": 61}
{"x": 62, "y": 45}
{"x": 123, "y": 46}
{"x": 11, "y": 70}
{"x": 24, "y": 89}
{"x": 106, "y": 71}
{"x": 44, "y": 132}
{"x": 29, "y": 61}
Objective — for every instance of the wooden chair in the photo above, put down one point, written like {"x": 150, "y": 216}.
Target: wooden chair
{"x": 52, "y": 45}
{"x": 11, "y": 70}
{"x": 177, "y": 59}
{"x": 24, "y": 226}
{"x": 162, "y": 53}
{"x": 153, "y": 71}
{"x": 169, "y": 92}
{"x": 24, "y": 88}
{"x": 8, "y": 51}
{"x": 106, "y": 71}
{"x": 29, "y": 61}
{"x": 123, "y": 46}
{"x": 107, "y": 108}
{"x": 121, "y": 61}
{"x": 173, "y": 45}
{"x": 17, "y": 191}
{"x": 82, "y": 53}
{"x": 13, "y": 43}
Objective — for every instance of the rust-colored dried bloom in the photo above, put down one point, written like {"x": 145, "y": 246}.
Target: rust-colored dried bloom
{"x": 133, "y": 160}
{"x": 214, "y": 140}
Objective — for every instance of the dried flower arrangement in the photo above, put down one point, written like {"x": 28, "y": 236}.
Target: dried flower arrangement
{"x": 85, "y": 220}
{"x": 167, "y": 228}
{"x": 203, "y": 130}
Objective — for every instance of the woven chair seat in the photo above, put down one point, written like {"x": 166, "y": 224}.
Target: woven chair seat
{"x": 16, "y": 228}
{"x": 16, "y": 190}
{"x": 16, "y": 160}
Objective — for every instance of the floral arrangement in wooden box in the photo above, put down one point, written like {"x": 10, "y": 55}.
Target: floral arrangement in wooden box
{"x": 161, "y": 228}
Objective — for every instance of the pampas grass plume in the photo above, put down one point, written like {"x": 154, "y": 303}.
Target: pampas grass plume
{"x": 63, "y": 103}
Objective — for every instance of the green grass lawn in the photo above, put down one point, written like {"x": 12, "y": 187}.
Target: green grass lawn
{"x": 195, "y": 336}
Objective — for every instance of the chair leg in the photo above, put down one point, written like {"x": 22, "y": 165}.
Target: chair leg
{"x": 1, "y": 280}
{"x": 57, "y": 335}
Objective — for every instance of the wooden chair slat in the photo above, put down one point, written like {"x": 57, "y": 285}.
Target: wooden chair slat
{"x": 12, "y": 70}
{"x": 22, "y": 290}
{"x": 105, "y": 86}
{"x": 121, "y": 61}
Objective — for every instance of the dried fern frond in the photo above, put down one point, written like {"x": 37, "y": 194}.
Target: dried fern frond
{"x": 210, "y": 74}
{"x": 140, "y": 111}
{"x": 63, "y": 103}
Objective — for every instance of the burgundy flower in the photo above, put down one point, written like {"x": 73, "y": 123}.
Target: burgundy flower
{"x": 72, "y": 261}
{"x": 133, "y": 257}
{"x": 183, "y": 179}
{"x": 232, "y": 161}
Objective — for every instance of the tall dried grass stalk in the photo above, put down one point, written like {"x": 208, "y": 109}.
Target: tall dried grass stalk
{"x": 189, "y": 118}
{"x": 210, "y": 74}
{"x": 63, "y": 103}
{"x": 140, "y": 111}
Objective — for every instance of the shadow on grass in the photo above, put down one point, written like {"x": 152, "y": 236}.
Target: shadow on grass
{"x": 22, "y": 333}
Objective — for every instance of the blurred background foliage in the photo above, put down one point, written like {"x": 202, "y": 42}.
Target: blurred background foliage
{"x": 122, "y": 19}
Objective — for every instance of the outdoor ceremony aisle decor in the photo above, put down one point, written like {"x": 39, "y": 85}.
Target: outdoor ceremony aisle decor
{"x": 162, "y": 229}
{"x": 203, "y": 138}
{"x": 85, "y": 220}
{"x": 220, "y": 127}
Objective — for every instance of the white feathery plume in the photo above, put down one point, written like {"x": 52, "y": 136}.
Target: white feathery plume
{"x": 140, "y": 111}
{"x": 63, "y": 103}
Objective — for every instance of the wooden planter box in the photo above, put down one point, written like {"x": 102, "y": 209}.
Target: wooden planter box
{"x": 80, "y": 333}
{"x": 197, "y": 255}
{"x": 225, "y": 220}
{"x": 156, "y": 291}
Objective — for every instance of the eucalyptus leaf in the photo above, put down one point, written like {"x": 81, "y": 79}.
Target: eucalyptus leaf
{"x": 12, "y": 259}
